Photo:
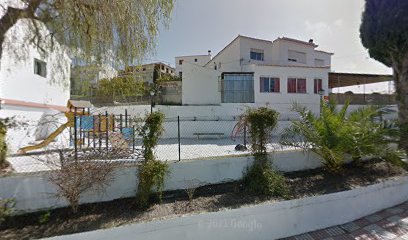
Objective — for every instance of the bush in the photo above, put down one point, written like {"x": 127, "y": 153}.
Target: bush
{"x": 6, "y": 208}
{"x": 152, "y": 172}
{"x": 261, "y": 122}
{"x": 333, "y": 135}
{"x": 260, "y": 179}
{"x": 3, "y": 145}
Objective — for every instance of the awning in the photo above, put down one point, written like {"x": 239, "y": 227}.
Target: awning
{"x": 352, "y": 79}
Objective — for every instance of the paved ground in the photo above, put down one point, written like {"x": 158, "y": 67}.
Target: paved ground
{"x": 388, "y": 224}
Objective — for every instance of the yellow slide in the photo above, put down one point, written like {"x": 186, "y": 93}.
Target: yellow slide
{"x": 47, "y": 141}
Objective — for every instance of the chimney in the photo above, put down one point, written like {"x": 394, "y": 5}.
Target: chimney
{"x": 310, "y": 40}
{"x": 209, "y": 53}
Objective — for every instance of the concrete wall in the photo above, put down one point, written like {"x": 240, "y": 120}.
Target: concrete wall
{"x": 33, "y": 192}
{"x": 18, "y": 81}
{"x": 200, "y": 85}
{"x": 270, "y": 220}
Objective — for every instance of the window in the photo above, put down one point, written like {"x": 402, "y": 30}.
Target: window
{"x": 162, "y": 67}
{"x": 296, "y": 85}
{"x": 181, "y": 62}
{"x": 319, "y": 62}
{"x": 295, "y": 56}
{"x": 40, "y": 68}
{"x": 195, "y": 60}
{"x": 257, "y": 55}
{"x": 317, "y": 85}
{"x": 269, "y": 84}
{"x": 144, "y": 69}
{"x": 181, "y": 74}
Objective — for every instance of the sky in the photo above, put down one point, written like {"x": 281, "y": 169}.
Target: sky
{"x": 198, "y": 26}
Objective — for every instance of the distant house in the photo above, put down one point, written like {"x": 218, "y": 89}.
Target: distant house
{"x": 148, "y": 73}
{"x": 199, "y": 60}
{"x": 256, "y": 71}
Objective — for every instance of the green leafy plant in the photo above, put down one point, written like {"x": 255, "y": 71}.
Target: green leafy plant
{"x": 6, "y": 208}
{"x": 3, "y": 145}
{"x": 44, "y": 218}
{"x": 260, "y": 178}
{"x": 261, "y": 122}
{"x": 152, "y": 172}
{"x": 334, "y": 134}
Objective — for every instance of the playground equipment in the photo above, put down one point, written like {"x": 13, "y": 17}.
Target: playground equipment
{"x": 99, "y": 133}
{"x": 76, "y": 108}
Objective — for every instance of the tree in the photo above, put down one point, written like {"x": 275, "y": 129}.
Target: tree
{"x": 126, "y": 29}
{"x": 384, "y": 31}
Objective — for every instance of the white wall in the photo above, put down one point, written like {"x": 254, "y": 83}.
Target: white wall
{"x": 283, "y": 98}
{"x": 17, "y": 78}
{"x": 229, "y": 58}
{"x": 200, "y": 85}
{"x": 33, "y": 192}
{"x": 270, "y": 220}
{"x": 201, "y": 61}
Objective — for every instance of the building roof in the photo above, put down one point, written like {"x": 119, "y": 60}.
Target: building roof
{"x": 296, "y": 66}
{"x": 79, "y": 104}
{"x": 353, "y": 79}
{"x": 324, "y": 52}
{"x": 295, "y": 41}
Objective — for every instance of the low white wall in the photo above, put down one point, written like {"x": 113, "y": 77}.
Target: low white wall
{"x": 33, "y": 192}
{"x": 266, "y": 221}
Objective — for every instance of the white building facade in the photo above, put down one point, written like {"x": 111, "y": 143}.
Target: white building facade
{"x": 31, "y": 79}
{"x": 252, "y": 71}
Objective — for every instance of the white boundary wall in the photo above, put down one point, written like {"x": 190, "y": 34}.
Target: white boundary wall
{"x": 269, "y": 220}
{"x": 33, "y": 192}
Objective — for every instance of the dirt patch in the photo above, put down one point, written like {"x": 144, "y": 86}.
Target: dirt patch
{"x": 206, "y": 199}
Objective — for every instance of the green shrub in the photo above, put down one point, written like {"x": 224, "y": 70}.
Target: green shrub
{"x": 3, "y": 145}
{"x": 261, "y": 122}
{"x": 44, "y": 218}
{"x": 261, "y": 179}
{"x": 152, "y": 172}
{"x": 6, "y": 208}
{"x": 333, "y": 135}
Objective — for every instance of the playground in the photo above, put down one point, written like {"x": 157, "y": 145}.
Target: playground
{"x": 100, "y": 135}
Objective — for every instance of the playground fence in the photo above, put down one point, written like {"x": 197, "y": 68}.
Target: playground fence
{"x": 183, "y": 138}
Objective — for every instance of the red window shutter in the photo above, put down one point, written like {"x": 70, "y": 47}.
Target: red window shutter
{"x": 277, "y": 85}
{"x": 315, "y": 85}
{"x": 320, "y": 84}
{"x": 301, "y": 85}
{"x": 291, "y": 85}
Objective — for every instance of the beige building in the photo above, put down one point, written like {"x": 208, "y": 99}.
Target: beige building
{"x": 148, "y": 73}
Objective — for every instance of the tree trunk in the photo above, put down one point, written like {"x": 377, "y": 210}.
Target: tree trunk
{"x": 401, "y": 84}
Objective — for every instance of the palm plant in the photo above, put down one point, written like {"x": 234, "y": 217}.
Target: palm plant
{"x": 334, "y": 135}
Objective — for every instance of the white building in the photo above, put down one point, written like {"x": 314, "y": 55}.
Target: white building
{"x": 259, "y": 72}
{"x": 32, "y": 83}
{"x": 30, "y": 79}
{"x": 199, "y": 60}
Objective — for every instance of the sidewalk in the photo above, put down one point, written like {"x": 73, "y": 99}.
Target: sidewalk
{"x": 388, "y": 224}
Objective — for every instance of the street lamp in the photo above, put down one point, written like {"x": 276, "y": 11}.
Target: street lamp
{"x": 321, "y": 93}
{"x": 151, "y": 101}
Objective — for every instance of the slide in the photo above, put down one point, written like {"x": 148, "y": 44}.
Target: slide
{"x": 47, "y": 141}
